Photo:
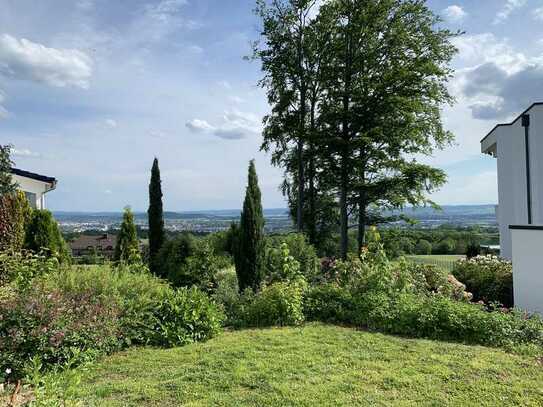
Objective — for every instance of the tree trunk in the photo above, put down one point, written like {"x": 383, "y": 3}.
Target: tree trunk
{"x": 361, "y": 221}
{"x": 301, "y": 134}
{"x": 312, "y": 226}
{"x": 344, "y": 187}
{"x": 344, "y": 215}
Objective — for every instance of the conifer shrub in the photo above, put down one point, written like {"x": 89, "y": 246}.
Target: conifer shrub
{"x": 43, "y": 236}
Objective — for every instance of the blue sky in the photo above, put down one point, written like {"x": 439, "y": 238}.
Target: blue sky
{"x": 92, "y": 90}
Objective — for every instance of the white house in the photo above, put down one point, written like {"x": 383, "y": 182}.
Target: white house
{"x": 518, "y": 146}
{"x": 35, "y": 186}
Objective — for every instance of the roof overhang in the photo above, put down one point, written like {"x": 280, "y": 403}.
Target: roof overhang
{"x": 51, "y": 182}
{"x": 489, "y": 144}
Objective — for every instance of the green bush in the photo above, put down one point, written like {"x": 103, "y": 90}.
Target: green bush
{"x": 184, "y": 316}
{"x": 52, "y": 324}
{"x": 423, "y": 247}
{"x": 300, "y": 250}
{"x": 43, "y": 236}
{"x": 329, "y": 303}
{"x": 95, "y": 310}
{"x": 15, "y": 213}
{"x": 488, "y": 278}
{"x": 21, "y": 267}
{"x": 280, "y": 304}
{"x": 186, "y": 261}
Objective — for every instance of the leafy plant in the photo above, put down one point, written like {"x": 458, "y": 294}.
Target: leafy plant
{"x": 488, "y": 278}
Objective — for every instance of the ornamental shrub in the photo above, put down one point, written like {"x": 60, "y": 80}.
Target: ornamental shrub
{"x": 51, "y": 323}
{"x": 279, "y": 304}
{"x": 300, "y": 250}
{"x": 95, "y": 310}
{"x": 489, "y": 278}
{"x": 43, "y": 236}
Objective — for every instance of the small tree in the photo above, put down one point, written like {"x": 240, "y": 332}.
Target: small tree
{"x": 156, "y": 217}
{"x": 127, "y": 248}
{"x": 423, "y": 247}
{"x": 7, "y": 186}
{"x": 249, "y": 243}
{"x": 43, "y": 236}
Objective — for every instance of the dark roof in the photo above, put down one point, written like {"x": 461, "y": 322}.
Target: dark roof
{"x": 513, "y": 122}
{"x": 32, "y": 175}
{"x": 84, "y": 241}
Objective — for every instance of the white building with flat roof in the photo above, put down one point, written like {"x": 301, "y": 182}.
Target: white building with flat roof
{"x": 35, "y": 186}
{"x": 518, "y": 147}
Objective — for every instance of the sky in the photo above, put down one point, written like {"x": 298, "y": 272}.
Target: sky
{"x": 92, "y": 90}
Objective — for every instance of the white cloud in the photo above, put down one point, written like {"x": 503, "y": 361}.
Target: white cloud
{"x": 498, "y": 81}
{"x": 27, "y": 60}
{"x": 509, "y": 7}
{"x": 454, "y": 13}
{"x": 3, "y": 112}
{"x": 195, "y": 49}
{"x": 538, "y": 13}
{"x": 236, "y": 99}
{"x": 24, "y": 153}
{"x": 225, "y": 84}
{"x": 234, "y": 125}
{"x": 111, "y": 123}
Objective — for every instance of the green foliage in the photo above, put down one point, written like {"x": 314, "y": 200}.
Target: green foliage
{"x": 22, "y": 267}
{"x": 488, "y": 278}
{"x": 172, "y": 260}
{"x": 446, "y": 246}
{"x": 127, "y": 248}
{"x": 423, "y": 247}
{"x": 279, "y": 304}
{"x": 156, "y": 217}
{"x": 43, "y": 236}
{"x": 249, "y": 239}
{"x": 184, "y": 316}
{"x": 15, "y": 215}
{"x": 186, "y": 261}
{"x": 298, "y": 248}
{"x": 51, "y": 323}
{"x": 418, "y": 301}
{"x": 90, "y": 311}
{"x": 7, "y": 186}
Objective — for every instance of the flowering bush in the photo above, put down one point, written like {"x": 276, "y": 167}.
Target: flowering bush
{"x": 489, "y": 278}
{"x": 95, "y": 310}
{"x": 51, "y": 324}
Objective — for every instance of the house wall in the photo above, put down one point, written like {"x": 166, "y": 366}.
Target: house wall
{"x": 527, "y": 270}
{"x": 33, "y": 186}
{"x": 512, "y": 186}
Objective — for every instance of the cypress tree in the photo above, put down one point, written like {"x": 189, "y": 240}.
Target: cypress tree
{"x": 249, "y": 243}
{"x": 156, "y": 217}
{"x": 127, "y": 248}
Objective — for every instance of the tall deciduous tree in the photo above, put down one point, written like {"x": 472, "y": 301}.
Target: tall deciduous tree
{"x": 384, "y": 88}
{"x": 287, "y": 60}
{"x": 155, "y": 216}
{"x": 249, "y": 242}
{"x": 127, "y": 248}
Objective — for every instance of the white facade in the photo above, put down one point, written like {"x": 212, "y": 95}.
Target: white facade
{"x": 34, "y": 186}
{"x": 527, "y": 268}
{"x": 506, "y": 142}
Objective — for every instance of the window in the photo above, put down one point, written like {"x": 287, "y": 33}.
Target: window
{"x": 32, "y": 198}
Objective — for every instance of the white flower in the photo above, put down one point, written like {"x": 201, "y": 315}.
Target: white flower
{"x": 8, "y": 371}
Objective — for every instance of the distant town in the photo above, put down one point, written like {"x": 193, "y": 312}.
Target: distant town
{"x": 277, "y": 220}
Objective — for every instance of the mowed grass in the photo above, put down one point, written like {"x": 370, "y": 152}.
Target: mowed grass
{"x": 445, "y": 261}
{"x": 315, "y": 365}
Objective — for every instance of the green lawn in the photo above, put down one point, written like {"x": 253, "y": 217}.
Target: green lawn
{"x": 445, "y": 261}
{"x": 313, "y": 366}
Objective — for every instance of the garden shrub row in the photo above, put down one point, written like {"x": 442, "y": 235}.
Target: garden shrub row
{"x": 97, "y": 310}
